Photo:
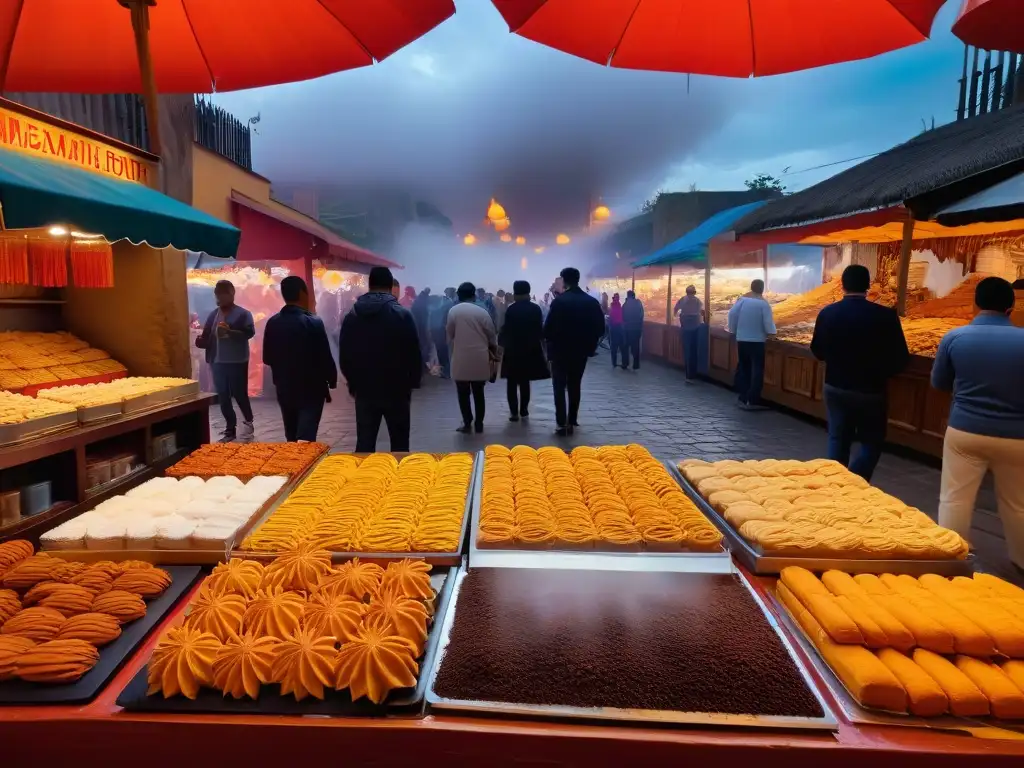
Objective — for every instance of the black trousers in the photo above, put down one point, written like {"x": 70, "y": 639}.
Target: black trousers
{"x": 567, "y": 378}
{"x": 396, "y": 412}
{"x": 632, "y": 346}
{"x": 301, "y": 419}
{"x": 749, "y": 371}
{"x": 464, "y": 388}
{"x": 617, "y": 344}
{"x": 518, "y": 396}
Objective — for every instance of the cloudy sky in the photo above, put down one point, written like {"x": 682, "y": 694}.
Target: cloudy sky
{"x": 471, "y": 111}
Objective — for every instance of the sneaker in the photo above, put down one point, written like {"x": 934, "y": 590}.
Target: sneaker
{"x": 479, "y": 426}
{"x": 513, "y": 417}
{"x": 525, "y": 414}
{"x": 227, "y": 436}
{"x": 247, "y": 433}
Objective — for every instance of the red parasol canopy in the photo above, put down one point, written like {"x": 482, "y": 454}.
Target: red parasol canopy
{"x": 995, "y": 25}
{"x": 736, "y": 38}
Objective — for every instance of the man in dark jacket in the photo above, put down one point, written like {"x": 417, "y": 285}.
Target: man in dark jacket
{"x": 421, "y": 315}
{"x": 574, "y": 326}
{"x": 862, "y": 346}
{"x": 523, "y": 361}
{"x": 379, "y": 356}
{"x": 296, "y": 349}
{"x": 439, "y": 329}
{"x": 633, "y": 325}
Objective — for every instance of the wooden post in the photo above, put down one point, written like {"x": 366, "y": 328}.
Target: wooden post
{"x": 668, "y": 298}
{"x": 307, "y": 264}
{"x": 140, "y": 26}
{"x": 903, "y": 273}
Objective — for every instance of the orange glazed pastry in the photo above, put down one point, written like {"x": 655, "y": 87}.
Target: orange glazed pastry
{"x": 274, "y": 612}
{"x": 334, "y": 615}
{"x": 58, "y": 661}
{"x": 109, "y": 567}
{"x": 10, "y": 604}
{"x": 220, "y": 615}
{"x": 409, "y": 578}
{"x": 68, "y": 570}
{"x": 123, "y": 606}
{"x": 400, "y": 616}
{"x": 39, "y": 591}
{"x": 96, "y": 628}
{"x": 375, "y": 663}
{"x": 182, "y": 662}
{"x": 239, "y": 577}
{"x": 13, "y": 551}
{"x": 305, "y": 663}
{"x": 38, "y": 624}
{"x": 147, "y": 582}
{"x": 69, "y": 599}
{"x": 31, "y": 571}
{"x": 96, "y": 581}
{"x": 300, "y": 569}
{"x": 360, "y": 580}
{"x": 134, "y": 565}
{"x": 243, "y": 664}
{"x": 11, "y": 648}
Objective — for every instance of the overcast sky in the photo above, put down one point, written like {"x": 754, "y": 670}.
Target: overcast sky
{"x": 471, "y": 111}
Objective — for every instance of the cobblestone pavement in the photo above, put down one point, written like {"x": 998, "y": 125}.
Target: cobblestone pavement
{"x": 653, "y": 407}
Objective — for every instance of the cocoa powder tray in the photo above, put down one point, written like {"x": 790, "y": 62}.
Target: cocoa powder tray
{"x": 531, "y": 637}
{"x": 762, "y": 564}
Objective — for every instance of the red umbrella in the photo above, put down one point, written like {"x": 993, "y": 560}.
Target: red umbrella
{"x": 736, "y": 38}
{"x": 198, "y": 46}
{"x": 995, "y": 25}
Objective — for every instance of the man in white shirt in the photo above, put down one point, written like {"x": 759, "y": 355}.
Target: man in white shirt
{"x": 751, "y": 322}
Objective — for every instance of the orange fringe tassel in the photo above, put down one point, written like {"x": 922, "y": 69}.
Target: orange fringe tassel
{"x": 48, "y": 260}
{"x": 92, "y": 264}
{"x": 13, "y": 259}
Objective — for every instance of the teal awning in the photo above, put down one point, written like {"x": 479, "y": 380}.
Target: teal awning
{"x": 36, "y": 192}
{"x": 693, "y": 246}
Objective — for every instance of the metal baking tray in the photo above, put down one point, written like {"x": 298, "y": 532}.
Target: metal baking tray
{"x": 434, "y": 558}
{"x": 405, "y": 702}
{"x": 182, "y": 390}
{"x": 861, "y": 715}
{"x": 10, "y": 434}
{"x": 758, "y": 562}
{"x": 146, "y": 402}
{"x": 588, "y": 559}
{"x": 90, "y": 414}
{"x": 643, "y": 716}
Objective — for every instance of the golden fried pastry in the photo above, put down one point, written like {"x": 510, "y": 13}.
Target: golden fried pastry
{"x": 57, "y": 661}
{"x": 69, "y": 599}
{"x": 874, "y": 635}
{"x": 928, "y": 633}
{"x": 1005, "y": 699}
{"x": 182, "y": 663}
{"x": 30, "y": 571}
{"x": 123, "y": 606}
{"x": 37, "y": 624}
{"x": 96, "y": 581}
{"x": 965, "y": 699}
{"x": 147, "y": 582}
{"x": 274, "y": 612}
{"x": 355, "y": 578}
{"x": 334, "y": 615}
{"x": 822, "y": 605}
{"x": 109, "y": 567}
{"x": 924, "y": 694}
{"x": 305, "y": 662}
{"x": 219, "y": 614}
{"x": 10, "y": 604}
{"x": 409, "y": 578}
{"x": 239, "y": 577}
{"x": 375, "y": 663}
{"x": 244, "y": 663}
{"x": 14, "y": 551}
{"x": 1013, "y": 669}
{"x": 97, "y": 628}
{"x": 997, "y": 585}
{"x": 300, "y": 569}
{"x": 1005, "y": 629}
{"x": 399, "y": 615}
{"x": 39, "y": 591}
{"x": 11, "y": 648}
{"x": 134, "y": 565}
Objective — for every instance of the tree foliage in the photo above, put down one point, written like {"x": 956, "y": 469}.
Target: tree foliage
{"x": 765, "y": 181}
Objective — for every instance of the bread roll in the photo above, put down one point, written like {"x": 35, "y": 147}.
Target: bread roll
{"x": 1006, "y": 700}
{"x": 925, "y": 695}
{"x": 965, "y": 698}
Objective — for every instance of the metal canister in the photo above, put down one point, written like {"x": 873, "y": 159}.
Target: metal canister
{"x": 36, "y": 498}
{"x": 10, "y": 507}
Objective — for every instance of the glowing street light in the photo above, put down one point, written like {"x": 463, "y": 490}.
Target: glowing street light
{"x": 469, "y": 239}
{"x": 520, "y": 240}
{"x": 602, "y": 213}
{"x": 562, "y": 239}
{"x": 505, "y": 237}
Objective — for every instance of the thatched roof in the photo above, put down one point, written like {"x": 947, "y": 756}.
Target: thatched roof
{"x": 934, "y": 159}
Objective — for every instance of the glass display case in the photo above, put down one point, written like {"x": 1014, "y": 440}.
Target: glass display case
{"x": 652, "y": 287}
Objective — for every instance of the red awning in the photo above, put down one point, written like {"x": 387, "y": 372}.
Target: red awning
{"x": 269, "y": 235}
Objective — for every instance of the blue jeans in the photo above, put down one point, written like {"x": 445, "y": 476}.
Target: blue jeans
{"x": 231, "y": 380}
{"x": 856, "y": 417}
{"x": 691, "y": 347}
{"x": 301, "y": 419}
{"x": 749, "y": 371}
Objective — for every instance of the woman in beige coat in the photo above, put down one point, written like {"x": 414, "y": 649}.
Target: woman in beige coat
{"x": 473, "y": 343}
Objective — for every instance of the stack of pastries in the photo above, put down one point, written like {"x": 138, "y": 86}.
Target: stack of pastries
{"x": 376, "y": 504}
{"x": 818, "y": 509}
{"x": 31, "y": 357}
{"x": 15, "y": 409}
{"x": 248, "y": 460}
{"x": 55, "y": 614}
{"x": 609, "y": 498}
{"x": 301, "y": 624}
{"x": 927, "y": 646}
{"x": 107, "y": 393}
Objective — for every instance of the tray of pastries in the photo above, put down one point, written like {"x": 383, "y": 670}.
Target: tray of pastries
{"x": 248, "y": 460}
{"x": 66, "y": 627}
{"x": 905, "y": 650}
{"x": 300, "y": 637}
{"x": 26, "y": 418}
{"x": 820, "y": 515}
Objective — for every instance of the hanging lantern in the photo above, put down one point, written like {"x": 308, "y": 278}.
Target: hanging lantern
{"x": 539, "y": 249}
{"x": 469, "y": 239}
{"x": 506, "y": 237}
{"x": 602, "y": 213}
{"x": 501, "y": 225}
{"x": 520, "y": 240}
{"x": 495, "y": 212}
{"x": 331, "y": 280}
{"x": 523, "y": 263}
{"x": 562, "y": 239}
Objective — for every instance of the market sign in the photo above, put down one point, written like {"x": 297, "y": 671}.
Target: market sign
{"x": 35, "y": 137}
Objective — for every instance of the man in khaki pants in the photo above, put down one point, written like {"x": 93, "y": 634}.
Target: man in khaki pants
{"x": 983, "y": 365}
